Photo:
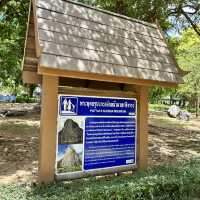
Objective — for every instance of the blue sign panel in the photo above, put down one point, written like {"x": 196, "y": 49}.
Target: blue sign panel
{"x": 109, "y": 142}
{"x": 96, "y": 106}
{"x": 96, "y": 132}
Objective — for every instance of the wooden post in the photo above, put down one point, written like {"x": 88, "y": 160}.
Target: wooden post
{"x": 143, "y": 129}
{"x": 47, "y": 145}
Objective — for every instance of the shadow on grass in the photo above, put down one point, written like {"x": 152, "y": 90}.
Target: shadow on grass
{"x": 19, "y": 127}
{"x": 178, "y": 181}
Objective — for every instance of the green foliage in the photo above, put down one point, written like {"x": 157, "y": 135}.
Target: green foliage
{"x": 188, "y": 56}
{"x": 168, "y": 182}
{"x": 176, "y": 14}
{"x": 187, "y": 51}
{"x": 8, "y": 89}
{"x": 145, "y": 10}
{"x": 158, "y": 107}
{"x": 157, "y": 93}
{"x": 13, "y": 17}
{"x": 25, "y": 99}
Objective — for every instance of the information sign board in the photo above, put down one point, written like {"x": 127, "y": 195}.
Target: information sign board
{"x": 95, "y": 133}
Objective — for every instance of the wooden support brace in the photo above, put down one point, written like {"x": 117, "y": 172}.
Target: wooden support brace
{"x": 143, "y": 129}
{"x": 47, "y": 147}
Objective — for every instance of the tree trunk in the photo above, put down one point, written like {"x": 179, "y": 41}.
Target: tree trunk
{"x": 120, "y": 7}
{"x": 31, "y": 90}
{"x": 194, "y": 26}
{"x": 197, "y": 105}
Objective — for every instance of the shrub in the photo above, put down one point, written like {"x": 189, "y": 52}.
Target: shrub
{"x": 158, "y": 107}
{"x": 25, "y": 99}
{"x": 169, "y": 182}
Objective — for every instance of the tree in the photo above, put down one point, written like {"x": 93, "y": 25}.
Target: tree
{"x": 188, "y": 56}
{"x": 187, "y": 51}
{"x": 3, "y": 2}
{"x": 13, "y": 18}
{"x": 186, "y": 14}
{"x": 177, "y": 14}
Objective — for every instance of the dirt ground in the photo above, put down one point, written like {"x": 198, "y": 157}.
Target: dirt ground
{"x": 18, "y": 144}
{"x": 169, "y": 140}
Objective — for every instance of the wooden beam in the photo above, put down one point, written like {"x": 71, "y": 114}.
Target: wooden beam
{"x": 30, "y": 53}
{"x": 27, "y": 31}
{"x": 37, "y": 43}
{"x": 30, "y": 68}
{"x": 30, "y": 43}
{"x": 47, "y": 147}
{"x": 31, "y": 77}
{"x": 102, "y": 77}
{"x": 95, "y": 92}
{"x": 142, "y": 149}
{"x": 63, "y": 81}
{"x": 31, "y": 61}
{"x": 102, "y": 85}
{"x": 31, "y": 32}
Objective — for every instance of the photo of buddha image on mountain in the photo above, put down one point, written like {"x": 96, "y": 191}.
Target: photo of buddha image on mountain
{"x": 70, "y": 144}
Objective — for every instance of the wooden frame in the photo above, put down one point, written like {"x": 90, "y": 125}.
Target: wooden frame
{"x": 47, "y": 145}
{"x": 38, "y": 47}
{"x": 101, "y": 77}
{"x": 143, "y": 129}
{"x": 47, "y": 149}
{"x": 49, "y": 74}
{"x": 31, "y": 77}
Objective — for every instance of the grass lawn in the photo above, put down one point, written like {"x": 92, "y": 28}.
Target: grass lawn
{"x": 167, "y": 182}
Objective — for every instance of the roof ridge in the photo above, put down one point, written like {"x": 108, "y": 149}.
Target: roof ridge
{"x": 112, "y": 13}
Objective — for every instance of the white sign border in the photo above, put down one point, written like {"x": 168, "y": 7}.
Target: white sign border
{"x": 94, "y": 96}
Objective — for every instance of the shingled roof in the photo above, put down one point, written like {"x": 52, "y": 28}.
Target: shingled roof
{"x": 72, "y": 37}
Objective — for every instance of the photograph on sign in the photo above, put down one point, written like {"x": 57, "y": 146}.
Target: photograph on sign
{"x": 70, "y": 144}
{"x": 95, "y": 133}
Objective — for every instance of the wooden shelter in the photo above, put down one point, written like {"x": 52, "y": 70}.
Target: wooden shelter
{"x": 72, "y": 48}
